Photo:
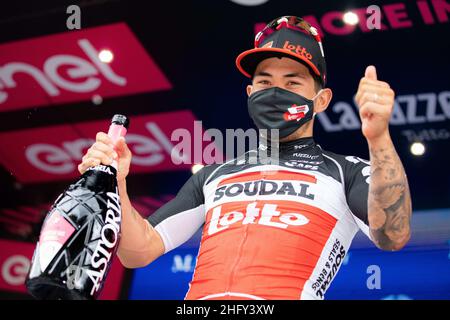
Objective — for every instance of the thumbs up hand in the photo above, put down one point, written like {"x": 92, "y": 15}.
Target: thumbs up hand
{"x": 375, "y": 100}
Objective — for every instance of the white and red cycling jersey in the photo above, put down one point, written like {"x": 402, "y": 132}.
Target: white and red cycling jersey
{"x": 270, "y": 231}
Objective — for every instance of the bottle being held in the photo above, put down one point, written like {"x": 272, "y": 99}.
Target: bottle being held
{"x": 80, "y": 234}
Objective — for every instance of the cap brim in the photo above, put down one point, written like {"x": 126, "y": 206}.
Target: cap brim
{"x": 247, "y": 61}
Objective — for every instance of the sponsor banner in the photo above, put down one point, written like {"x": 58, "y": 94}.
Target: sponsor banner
{"x": 53, "y": 153}
{"x": 15, "y": 261}
{"x": 167, "y": 277}
{"x": 66, "y": 67}
{"x": 410, "y": 111}
{"x": 391, "y": 16}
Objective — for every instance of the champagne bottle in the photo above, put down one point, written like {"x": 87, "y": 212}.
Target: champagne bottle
{"x": 80, "y": 234}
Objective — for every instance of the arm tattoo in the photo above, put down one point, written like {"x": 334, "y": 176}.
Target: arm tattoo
{"x": 389, "y": 200}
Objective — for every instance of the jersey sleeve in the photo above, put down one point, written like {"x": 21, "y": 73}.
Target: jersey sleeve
{"x": 179, "y": 219}
{"x": 357, "y": 179}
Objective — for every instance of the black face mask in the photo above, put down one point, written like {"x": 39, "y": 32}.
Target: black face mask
{"x": 276, "y": 108}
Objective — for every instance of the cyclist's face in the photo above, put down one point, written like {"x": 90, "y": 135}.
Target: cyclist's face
{"x": 284, "y": 73}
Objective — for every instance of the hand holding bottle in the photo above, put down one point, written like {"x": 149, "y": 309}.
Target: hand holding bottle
{"x": 103, "y": 151}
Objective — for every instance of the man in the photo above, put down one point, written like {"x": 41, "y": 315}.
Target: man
{"x": 277, "y": 230}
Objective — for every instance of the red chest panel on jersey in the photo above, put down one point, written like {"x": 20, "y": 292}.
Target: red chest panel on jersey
{"x": 266, "y": 248}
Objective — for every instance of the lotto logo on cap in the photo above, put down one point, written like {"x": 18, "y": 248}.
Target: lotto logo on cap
{"x": 298, "y": 49}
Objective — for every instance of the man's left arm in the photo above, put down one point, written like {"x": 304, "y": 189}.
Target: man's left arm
{"x": 389, "y": 199}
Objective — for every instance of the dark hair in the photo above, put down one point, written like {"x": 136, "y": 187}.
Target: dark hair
{"x": 317, "y": 83}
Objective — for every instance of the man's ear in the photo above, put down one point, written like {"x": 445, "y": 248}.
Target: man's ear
{"x": 323, "y": 100}
{"x": 249, "y": 89}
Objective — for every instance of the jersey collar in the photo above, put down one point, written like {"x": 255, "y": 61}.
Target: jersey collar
{"x": 298, "y": 144}
{"x": 301, "y": 144}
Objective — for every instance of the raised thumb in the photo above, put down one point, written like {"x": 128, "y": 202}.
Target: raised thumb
{"x": 371, "y": 73}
